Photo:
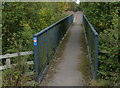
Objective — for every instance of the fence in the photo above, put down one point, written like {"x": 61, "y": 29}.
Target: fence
{"x": 92, "y": 41}
{"x": 8, "y": 57}
{"x": 45, "y": 44}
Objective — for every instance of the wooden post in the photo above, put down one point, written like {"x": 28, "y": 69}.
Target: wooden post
{"x": 8, "y": 62}
{"x": 1, "y": 62}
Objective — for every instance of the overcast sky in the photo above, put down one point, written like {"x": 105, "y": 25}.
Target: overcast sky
{"x": 77, "y": 1}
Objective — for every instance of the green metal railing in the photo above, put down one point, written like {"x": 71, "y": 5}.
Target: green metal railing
{"x": 45, "y": 44}
{"x": 92, "y": 41}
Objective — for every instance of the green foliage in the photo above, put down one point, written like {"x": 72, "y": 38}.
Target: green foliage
{"x": 108, "y": 54}
{"x": 105, "y": 19}
{"x": 101, "y": 14}
{"x": 20, "y": 22}
{"x": 72, "y": 6}
{"x": 16, "y": 76}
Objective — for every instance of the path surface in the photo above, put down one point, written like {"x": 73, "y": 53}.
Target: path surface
{"x": 68, "y": 73}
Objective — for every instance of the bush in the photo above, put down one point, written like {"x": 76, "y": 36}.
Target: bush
{"x": 16, "y": 76}
{"x": 105, "y": 17}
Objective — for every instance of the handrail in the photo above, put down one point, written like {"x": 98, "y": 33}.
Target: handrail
{"x": 48, "y": 28}
{"x": 92, "y": 28}
{"x": 15, "y": 54}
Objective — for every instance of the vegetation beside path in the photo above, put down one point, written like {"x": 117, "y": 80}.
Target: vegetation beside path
{"x": 20, "y": 21}
{"x": 105, "y": 17}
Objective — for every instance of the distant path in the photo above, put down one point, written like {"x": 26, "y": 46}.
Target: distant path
{"x": 68, "y": 73}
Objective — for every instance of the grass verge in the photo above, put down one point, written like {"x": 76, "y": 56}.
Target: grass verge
{"x": 84, "y": 65}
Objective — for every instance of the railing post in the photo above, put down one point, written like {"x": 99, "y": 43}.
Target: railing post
{"x": 36, "y": 57}
{"x": 46, "y": 40}
{"x": 96, "y": 55}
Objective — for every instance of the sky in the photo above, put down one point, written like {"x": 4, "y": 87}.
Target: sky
{"x": 77, "y": 1}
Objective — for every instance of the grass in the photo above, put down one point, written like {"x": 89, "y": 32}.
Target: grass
{"x": 84, "y": 65}
{"x": 100, "y": 83}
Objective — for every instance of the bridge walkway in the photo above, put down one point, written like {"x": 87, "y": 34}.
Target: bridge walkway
{"x": 67, "y": 73}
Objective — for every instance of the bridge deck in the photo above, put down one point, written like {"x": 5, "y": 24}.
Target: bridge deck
{"x": 68, "y": 73}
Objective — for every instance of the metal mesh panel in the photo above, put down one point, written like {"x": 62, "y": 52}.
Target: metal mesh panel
{"x": 46, "y": 42}
{"x": 92, "y": 41}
